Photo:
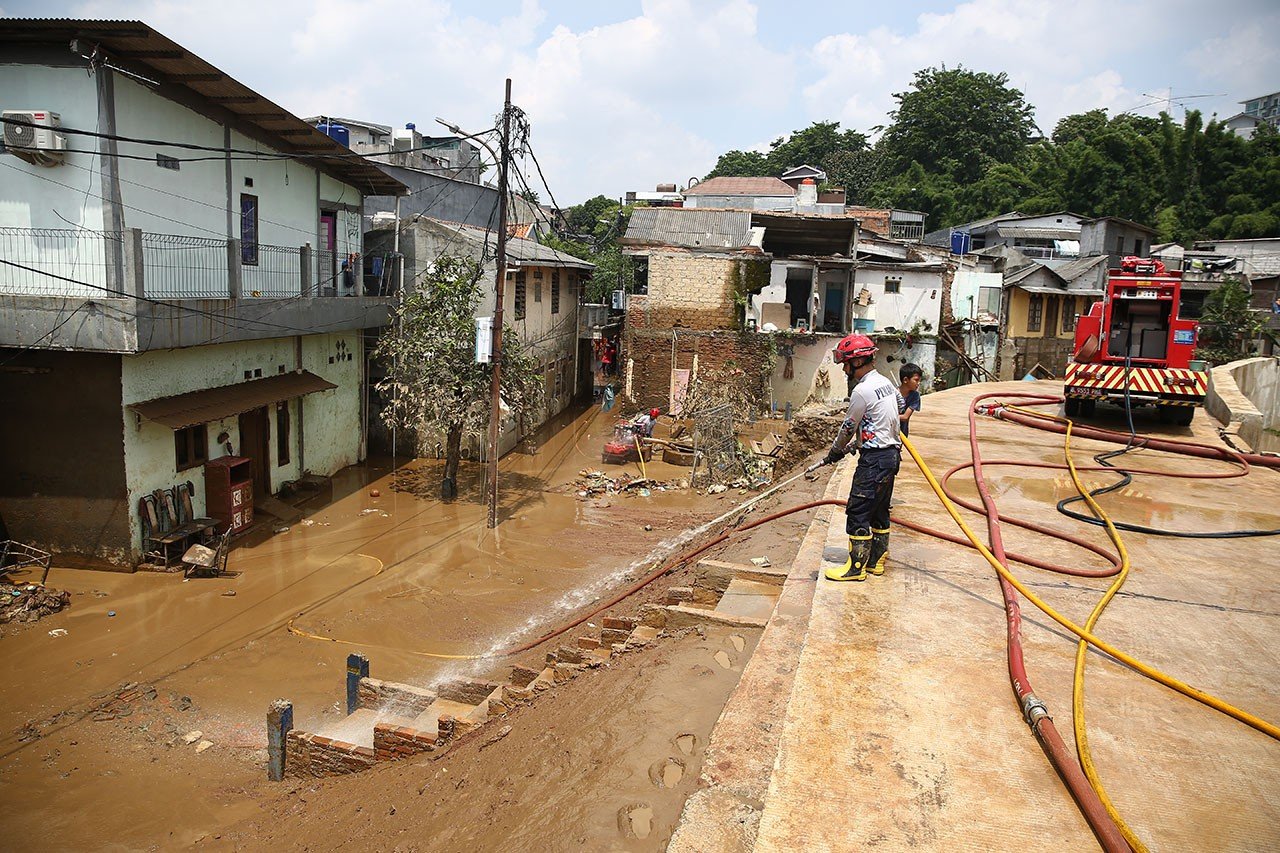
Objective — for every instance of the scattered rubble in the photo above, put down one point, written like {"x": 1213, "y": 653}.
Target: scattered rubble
{"x": 29, "y": 602}
{"x": 591, "y": 482}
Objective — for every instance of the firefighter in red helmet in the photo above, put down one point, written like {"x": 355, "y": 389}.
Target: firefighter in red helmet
{"x": 871, "y": 426}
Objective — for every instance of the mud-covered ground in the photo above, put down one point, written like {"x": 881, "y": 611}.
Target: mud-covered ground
{"x": 104, "y": 727}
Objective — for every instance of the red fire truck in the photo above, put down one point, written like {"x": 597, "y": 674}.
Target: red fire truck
{"x": 1134, "y": 345}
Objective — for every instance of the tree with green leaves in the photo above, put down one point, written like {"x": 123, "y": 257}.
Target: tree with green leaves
{"x": 1226, "y": 323}
{"x": 816, "y": 145}
{"x": 434, "y": 387}
{"x": 958, "y": 122}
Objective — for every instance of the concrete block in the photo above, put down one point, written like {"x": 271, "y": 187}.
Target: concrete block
{"x": 620, "y": 622}
{"x": 653, "y": 615}
{"x": 588, "y": 643}
{"x": 679, "y": 616}
{"x": 609, "y": 636}
{"x": 569, "y": 654}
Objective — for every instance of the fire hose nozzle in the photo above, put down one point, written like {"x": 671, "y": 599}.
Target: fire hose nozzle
{"x": 1034, "y": 710}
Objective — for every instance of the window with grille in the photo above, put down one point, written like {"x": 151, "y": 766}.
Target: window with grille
{"x": 1069, "y": 314}
{"x": 1035, "y": 312}
{"x": 893, "y": 285}
{"x": 555, "y": 292}
{"x": 520, "y": 295}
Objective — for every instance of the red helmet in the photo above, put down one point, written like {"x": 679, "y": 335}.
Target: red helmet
{"x": 653, "y": 413}
{"x": 853, "y": 346}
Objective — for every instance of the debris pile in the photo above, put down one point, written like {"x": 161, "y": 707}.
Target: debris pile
{"x": 591, "y": 482}
{"x": 29, "y": 602}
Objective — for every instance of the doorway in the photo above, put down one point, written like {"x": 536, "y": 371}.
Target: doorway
{"x": 799, "y": 289}
{"x": 255, "y": 437}
{"x": 326, "y": 262}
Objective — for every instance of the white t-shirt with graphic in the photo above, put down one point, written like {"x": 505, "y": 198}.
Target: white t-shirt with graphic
{"x": 872, "y": 420}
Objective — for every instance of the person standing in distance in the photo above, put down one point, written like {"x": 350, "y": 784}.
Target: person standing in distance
{"x": 872, "y": 427}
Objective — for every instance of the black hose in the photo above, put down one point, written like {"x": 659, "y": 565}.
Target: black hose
{"x": 1126, "y": 478}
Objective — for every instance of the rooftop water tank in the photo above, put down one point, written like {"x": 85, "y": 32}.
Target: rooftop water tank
{"x": 336, "y": 131}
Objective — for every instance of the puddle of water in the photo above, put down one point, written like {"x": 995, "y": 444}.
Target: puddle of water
{"x": 636, "y": 821}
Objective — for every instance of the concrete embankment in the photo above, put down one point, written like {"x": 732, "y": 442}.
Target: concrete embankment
{"x": 891, "y": 724}
{"x": 1247, "y": 392}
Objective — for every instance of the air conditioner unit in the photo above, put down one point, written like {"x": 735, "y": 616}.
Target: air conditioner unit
{"x": 36, "y": 138}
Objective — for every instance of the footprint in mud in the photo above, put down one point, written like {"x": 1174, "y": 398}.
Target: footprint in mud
{"x": 738, "y": 643}
{"x": 686, "y": 742}
{"x": 666, "y": 773}
{"x": 636, "y": 820}
{"x": 723, "y": 659}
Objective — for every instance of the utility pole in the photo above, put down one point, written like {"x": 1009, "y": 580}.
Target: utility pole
{"x": 495, "y": 401}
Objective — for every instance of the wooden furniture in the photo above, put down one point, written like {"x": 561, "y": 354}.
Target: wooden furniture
{"x": 228, "y": 491}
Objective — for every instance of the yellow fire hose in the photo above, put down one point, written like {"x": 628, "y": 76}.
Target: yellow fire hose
{"x": 1087, "y": 636}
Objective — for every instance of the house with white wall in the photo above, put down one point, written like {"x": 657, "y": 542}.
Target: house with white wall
{"x": 541, "y": 303}
{"x": 180, "y": 282}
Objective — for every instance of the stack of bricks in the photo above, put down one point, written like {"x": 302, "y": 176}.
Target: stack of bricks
{"x": 392, "y": 742}
{"x": 313, "y": 755}
{"x": 404, "y": 699}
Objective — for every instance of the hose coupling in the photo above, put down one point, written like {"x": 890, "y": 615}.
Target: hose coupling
{"x": 1033, "y": 710}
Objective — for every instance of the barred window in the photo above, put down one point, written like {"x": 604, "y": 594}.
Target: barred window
{"x": 1069, "y": 314}
{"x": 1035, "y": 312}
{"x": 893, "y": 284}
{"x": 520, "y": 295}
{"x": 555, "y": 292}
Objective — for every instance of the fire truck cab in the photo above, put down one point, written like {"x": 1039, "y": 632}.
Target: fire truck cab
{"x": 1133, "y": 347}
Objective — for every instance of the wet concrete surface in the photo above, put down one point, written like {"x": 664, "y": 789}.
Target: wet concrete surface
{"x": 902, "y": 731}
{"x": 401, "y": 577}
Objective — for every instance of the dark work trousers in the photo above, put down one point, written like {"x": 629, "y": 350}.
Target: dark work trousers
{"x": 872, "y": 489}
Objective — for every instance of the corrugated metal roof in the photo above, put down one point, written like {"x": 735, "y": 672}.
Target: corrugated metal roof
{"x": 210, "y": 404}
{"x": 1080, "y": 267}
{"x": 1038, "y": 233}
{"x": 137, "y": 47}
{"x": 742, "y": 186}
{"x": 693, "y": 228}
{"x": 520, "y": 252}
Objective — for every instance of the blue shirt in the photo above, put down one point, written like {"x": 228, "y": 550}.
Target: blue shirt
{"x": 911, "y": 401}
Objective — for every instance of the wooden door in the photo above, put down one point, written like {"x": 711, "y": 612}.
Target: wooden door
{"x": 255, "y": 436}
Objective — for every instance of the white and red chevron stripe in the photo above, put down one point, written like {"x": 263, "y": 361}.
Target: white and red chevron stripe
{"x": 1095, "y": 378}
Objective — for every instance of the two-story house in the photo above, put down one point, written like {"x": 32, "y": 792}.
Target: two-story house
{"x": 179, "y": 283}
{"x": 541, "y": 303}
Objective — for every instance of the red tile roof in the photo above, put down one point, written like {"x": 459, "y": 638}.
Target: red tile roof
{"x": 742, "y": 186}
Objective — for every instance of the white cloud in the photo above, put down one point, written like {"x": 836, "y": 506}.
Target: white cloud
{"x": 1059, "y": 57}
{"x": 1245, "y": 60}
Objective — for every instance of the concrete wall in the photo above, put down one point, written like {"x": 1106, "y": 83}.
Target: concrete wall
{"x": 329, "y": 428}
{"x": 30, "y": 194}
{"x": 62, "y": 477}
{"x": 919, "y": 298}
{"x": 1248, "y": 392}
{"x": 817, "y": 378}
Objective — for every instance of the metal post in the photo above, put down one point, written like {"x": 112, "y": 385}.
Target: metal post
{"x": 279, "y": 724}
{"x": 495, "y": 401}
{"x": 357, "y": 668}
{"x": 395, "y": 368}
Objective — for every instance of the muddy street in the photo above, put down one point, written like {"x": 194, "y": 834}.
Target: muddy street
{"x": 420, "y": 586}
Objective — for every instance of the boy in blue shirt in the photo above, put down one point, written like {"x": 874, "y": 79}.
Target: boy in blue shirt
{"x": 909, "y": 376}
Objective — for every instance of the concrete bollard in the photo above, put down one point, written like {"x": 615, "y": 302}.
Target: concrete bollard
{"x": 279, "y": 724}
{"x": 357, "y": 668}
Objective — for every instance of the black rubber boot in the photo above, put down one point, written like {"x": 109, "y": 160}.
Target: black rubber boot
{"x": 855, "y": 568}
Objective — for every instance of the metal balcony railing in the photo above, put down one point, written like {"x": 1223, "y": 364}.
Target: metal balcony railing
{"x": 85, "y": 263}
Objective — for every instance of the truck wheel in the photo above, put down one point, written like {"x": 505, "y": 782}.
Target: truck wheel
{"x": 1165, "y": 413}
{"x": 1184, "y": 415}
{"x": 1071, "y": 407}
{"x": 1087, "y": 408}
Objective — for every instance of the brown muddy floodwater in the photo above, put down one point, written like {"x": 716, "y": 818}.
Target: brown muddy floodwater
{"x": 402, "y": 577}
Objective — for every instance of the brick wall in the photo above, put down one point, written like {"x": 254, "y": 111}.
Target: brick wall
{"x": 686, "y": 290}
{"x": 717, "y": 351}
{"x": 405, "y": 699}
{"x": 391, "y": 743}
{"x": 308, "y": 755}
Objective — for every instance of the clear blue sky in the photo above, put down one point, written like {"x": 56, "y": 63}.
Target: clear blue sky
{"x": 624, "y": 95}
